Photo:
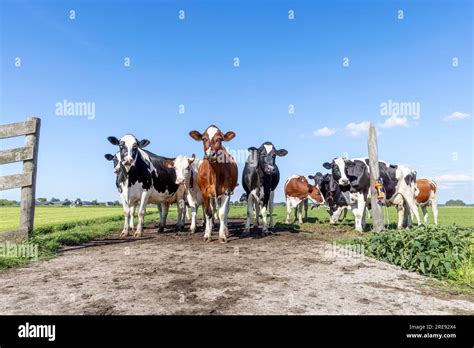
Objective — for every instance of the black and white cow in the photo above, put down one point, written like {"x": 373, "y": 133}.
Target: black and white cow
{"x": 337, "y": 200}
{"x": 260, "y": 178}
{"x": 145, "y": 179}
{"x": 398, "y": 186}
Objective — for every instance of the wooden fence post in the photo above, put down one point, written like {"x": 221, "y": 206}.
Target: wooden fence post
{"x": 27, "y": 179}
{"x": 27, "y": 207}
{"x": 377, "y": 217}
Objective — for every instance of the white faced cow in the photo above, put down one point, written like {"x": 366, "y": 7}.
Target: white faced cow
{"x": 398, "y": 186}
{"x": 260, "y": 178}
{"x": 186, "y": 169}
{"x": 145, "y": 179}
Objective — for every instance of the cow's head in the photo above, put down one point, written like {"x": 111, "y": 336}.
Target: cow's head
{"x": 128, "y": 149}
{"x": 318, "y": 178}
{"x": 116, "y": 159}
{"x": 315, "y": 194}
{"x": 338, "y": 167}
{"x": 182, "y": 167}
{"x": 212, "y": 139}
{"x": 266, "y": 155}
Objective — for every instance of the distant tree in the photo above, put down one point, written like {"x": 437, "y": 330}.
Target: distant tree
{"x": 7, "y": 202}
{"x": 116, "y": 203}
{"x": 455, "y": 202}
{"x": 42, "y": 200}
{"x": 54, "y": 199}
{"x": 94, "y": 202}
{"x": 67, "y": 200}
{"x": 77, "y": 200}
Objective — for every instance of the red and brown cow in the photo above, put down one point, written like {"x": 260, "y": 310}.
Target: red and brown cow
{"x": 426, "y": 195}
{"x": 217, "y": 177}
{"x": 297, "y": 190}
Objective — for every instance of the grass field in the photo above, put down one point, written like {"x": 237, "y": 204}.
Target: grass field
{"x": 47, "y": 216}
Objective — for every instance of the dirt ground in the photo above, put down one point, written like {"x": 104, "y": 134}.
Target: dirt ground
{"x": 291, "y": 272}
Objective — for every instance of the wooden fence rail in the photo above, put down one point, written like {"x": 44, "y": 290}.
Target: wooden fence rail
{"x": 27, "y": 180}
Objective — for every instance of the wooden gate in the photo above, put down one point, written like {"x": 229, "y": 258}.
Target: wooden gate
{"x": 27, "y": 180}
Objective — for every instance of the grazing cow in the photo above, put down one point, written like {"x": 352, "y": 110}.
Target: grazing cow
{"x": 398, "y": 185}
{"x": 336, "y": 200}
{"x": 426, "y": 195}
{"x": 186, "y": 169}
{"x": 260, "y": 178}
{"x": 145, "y": 179}
{"x": 297, "y": 190}
{"x": 217, "y": 177}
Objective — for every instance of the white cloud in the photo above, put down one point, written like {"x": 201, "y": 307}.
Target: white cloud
{"x": 454, "y": 178}
{"x": 395, "y": 121}
{"x": 324, "y": 132}
{"x": 356, "y": 129}
{"x": 455, "y": 116}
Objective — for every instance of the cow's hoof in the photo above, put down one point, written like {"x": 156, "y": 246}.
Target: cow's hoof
{"x": 124, "y": 234}
{"x": 161, "y": 229}
{"x": 223, "y": 240}
{"x": 138, "y": 234}
{"x": 192, "y": 231}
{"x": 207, "y": 239}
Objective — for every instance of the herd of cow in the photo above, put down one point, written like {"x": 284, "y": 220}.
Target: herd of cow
{"x": 144, "y": 178}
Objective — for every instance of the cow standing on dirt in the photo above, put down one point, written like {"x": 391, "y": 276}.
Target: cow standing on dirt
{"x": 145, "y": 179}
{"x": 217, "y": 177}
{"x": 297, "y": 190}
{"x": 398, "y": 186}
{"x": 187, "y": 169}
{"x": 260, "y": 178}
{"x": 336, "y": 200}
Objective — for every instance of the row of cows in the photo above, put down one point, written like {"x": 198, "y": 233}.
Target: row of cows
{"x": 143, "y": 178}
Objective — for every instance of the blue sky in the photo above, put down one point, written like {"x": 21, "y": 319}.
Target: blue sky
{"x": 283, "y": 62}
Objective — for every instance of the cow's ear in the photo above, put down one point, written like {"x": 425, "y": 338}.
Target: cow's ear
{"x": 281, "y": 152}
{"x": 168, "y": 163}
{"x": 143, "y": 143}
{"x": 113, "y": 140}
{"x": 109, "y": 157}
{"x": 229, "y": 136}
{"x": 195, "y": 135}
{"x": 311, "y": 177}
{"x": 252, "y": 148}
{"x": 192, "y": 159}
{"x": 327, "y": 165}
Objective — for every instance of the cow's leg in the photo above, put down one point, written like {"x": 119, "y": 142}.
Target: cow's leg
{"x": 264, "y": 219}
{"x": 181, "y": 213}
{"x": 249, "y": 212}
{"x": 270, "y": 208}
{"x": 132, "y": 213}
{"x": 126, "y": 216}
{"x": 359, "y": 213}
{"x": 226, "y": 216}
{"x": 165, "y": 207}
{"x": 299, "y": 210}
{"x": 434, "y": 208}
{"x": 209, "y": 211}
{"x": 401, "y": 215}
{"x": 424, "y": 210}
{"x": 223, "y": 210}
{"x": 288, "y": 211}
{"x": 141, "y": 213}
{"x": 193, "y": 209}
{"x": 160, "y": 214}
{"x": 256, "y": 207}
{"x": 305, "y": 205}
